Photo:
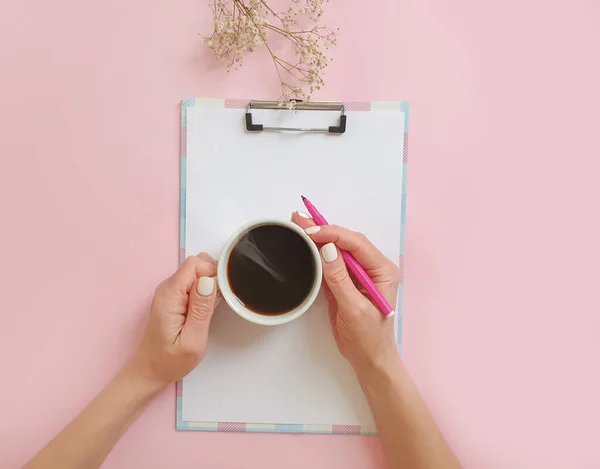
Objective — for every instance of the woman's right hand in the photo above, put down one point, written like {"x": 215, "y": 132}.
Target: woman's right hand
{"x": 362, "y": 333}
{"x": 409, "y": 435}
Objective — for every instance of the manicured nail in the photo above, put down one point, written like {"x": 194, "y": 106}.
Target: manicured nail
{"x": 329, "y": 252}
{"x": 311, "y": 230}
{"x": 303, "y": 214}
{"x": 206, "y": 285}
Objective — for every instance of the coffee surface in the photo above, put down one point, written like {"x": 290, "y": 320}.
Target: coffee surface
{"x": 271, "y": 270}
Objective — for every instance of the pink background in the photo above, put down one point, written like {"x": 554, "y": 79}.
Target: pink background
{"x": 501, "y": 310}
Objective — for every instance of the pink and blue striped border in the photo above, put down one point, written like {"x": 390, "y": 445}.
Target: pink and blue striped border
{"x": 183, "y": 425}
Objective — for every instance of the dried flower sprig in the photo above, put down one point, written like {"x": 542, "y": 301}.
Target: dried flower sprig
{"x": 242, "y": 26}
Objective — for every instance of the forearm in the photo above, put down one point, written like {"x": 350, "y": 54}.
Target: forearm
{"x": 87, "y": 440}
{"x": 410, "y": 436}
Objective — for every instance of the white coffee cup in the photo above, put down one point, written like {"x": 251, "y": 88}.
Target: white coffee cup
{"x": 232, "y": 300}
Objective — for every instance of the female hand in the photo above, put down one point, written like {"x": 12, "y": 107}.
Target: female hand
{"x": 176, "y": 335}
{"x": 363, "y": 335}
{"x": 173, "y": 344}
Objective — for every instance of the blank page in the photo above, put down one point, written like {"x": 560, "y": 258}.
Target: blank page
{"x": 289, "y": 374}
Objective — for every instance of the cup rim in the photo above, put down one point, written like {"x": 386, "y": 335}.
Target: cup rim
{"x": 233, "y": 301}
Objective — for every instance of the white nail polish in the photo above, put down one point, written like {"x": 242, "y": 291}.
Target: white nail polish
{"x": 329, "y": 252}
{"x": 311, "y": 230}
{"x": 303, "y": 214}
{"x": 206, "y": 285}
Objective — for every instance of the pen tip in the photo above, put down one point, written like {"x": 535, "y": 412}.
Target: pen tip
{"x": 303, "y": 198}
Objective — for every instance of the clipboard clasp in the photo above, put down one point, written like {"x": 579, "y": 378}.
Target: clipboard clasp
{"x": 299, "y": 106}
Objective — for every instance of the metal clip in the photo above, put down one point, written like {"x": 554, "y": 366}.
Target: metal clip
{"x": 298, "y": 106}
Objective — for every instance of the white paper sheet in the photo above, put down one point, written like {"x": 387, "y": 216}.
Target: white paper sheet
{"x": 290, "y": 374}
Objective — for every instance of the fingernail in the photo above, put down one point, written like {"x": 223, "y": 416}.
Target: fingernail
{"x": 312, "y": 229}
{"x": 303, "y": 214}
{"x": 329, "y": 252}
{"x": 206, "y": 285}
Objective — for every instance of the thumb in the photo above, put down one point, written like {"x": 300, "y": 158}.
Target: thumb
{"x": 201, "y": 306}
{"x": 336, "y": 276}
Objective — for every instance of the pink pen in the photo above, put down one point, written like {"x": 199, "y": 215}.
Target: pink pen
{"x": 354, "y": 267}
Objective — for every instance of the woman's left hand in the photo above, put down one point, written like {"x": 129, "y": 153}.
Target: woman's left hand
{"x": 176, "y": 335}
{"x": 173, "y": 344}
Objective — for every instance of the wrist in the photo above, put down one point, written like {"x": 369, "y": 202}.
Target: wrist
{"x": 377, "y": 368}
{"x": 144, "y": 383}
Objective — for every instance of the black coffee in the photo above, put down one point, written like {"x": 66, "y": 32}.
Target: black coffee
{"x": 271, "y": 270}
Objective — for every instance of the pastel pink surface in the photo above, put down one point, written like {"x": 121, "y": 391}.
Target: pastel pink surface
{"x": 502, "y": 251}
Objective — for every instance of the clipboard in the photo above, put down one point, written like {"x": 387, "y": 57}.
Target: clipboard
{"x": 266, "y": 123}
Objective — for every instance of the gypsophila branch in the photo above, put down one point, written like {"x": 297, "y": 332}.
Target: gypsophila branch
{"x": 242, "y": 26}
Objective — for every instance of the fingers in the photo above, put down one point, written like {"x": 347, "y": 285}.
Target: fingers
{"x": 367, "y": 255}
{"x": 191, "y": 269}
{"x": 201, "y": 305}
{"x": 211, "y": 260}
{"x": 302, "y": 219}
{"x": 337, "y": 278}
{"x": 208, "y": 258}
